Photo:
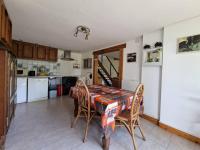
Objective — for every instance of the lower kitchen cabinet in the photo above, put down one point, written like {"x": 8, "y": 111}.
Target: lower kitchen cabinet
{"x": 37, "y": 88}
{"x": 21, "y": 90}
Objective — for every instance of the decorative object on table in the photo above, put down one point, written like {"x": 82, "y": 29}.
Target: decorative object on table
{"x": 147, "y": 46}
{"x": 76, "y": 66}
{"x": 188, "y": 44}
{"x": 131, "y": 57}
{"x": 158, "y": 44}
{"x": 83, "y": 29}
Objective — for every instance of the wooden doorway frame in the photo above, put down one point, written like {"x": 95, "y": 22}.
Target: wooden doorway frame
{"x": 119, "y": 48}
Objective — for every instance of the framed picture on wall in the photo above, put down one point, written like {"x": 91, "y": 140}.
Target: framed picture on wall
{"x": 131, "y": 57}
{"x": 188, "y": 44}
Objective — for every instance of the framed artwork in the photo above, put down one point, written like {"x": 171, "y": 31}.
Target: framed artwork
{"x": 131, "y": 57}
{"x": 188, "y": 44}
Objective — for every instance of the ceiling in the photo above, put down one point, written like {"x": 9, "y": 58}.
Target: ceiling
{"x": 53, "y": 22}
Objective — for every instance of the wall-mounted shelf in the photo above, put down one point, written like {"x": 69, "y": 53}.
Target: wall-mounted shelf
{"x": 152, "y": 57}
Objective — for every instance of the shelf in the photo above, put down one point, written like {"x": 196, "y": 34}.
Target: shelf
{"x": 152, "y": 49}
{"x": 152, "y": 64}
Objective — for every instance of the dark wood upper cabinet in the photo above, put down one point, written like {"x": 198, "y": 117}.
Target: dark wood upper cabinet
{"x": 3, "y": 23}
{"x": 41, "y": 52}
{"x": 14, "y": 47}
{"x": 5, "y": 27}
{"x": 28, "y": 49}
{"x": 53, "y": 54}
{"x": 35, "y": 52}
{"x": 25, "y": 50}
{"x": 20, "y": 50}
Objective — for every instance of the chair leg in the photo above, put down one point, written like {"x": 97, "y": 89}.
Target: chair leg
{"x": 86, "y": 130}
{"x": 75, "y": 120}
{"x": 133, "y": 136}
{"x": 141, "y": 131}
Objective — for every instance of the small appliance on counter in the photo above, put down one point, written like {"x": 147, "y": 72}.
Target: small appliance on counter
{"x": 21, "y": 72}
{"x": 31, "y": 73}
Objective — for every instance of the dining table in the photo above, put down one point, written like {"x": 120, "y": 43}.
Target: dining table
{"x": 108, "y": 102}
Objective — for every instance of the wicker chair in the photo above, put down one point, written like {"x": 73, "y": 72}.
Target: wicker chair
{"x": 130, "y": 118}
{"x": 84, "y": 105}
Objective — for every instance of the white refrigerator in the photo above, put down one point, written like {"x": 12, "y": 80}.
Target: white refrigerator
{"x": 37, "y": 88}
{"x": 21, "y": 89}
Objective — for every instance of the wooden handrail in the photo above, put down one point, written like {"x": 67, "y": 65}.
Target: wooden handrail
{"x": 113, "y": 66}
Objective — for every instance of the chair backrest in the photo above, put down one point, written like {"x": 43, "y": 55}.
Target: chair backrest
{"x": 138, "y": 97}
{"x": 83, "y": 94}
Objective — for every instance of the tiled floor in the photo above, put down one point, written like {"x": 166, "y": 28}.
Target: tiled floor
{"x": 45, "y": 125}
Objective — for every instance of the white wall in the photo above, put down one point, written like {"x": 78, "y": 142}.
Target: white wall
{"x": 66, "y": 67}
{"x": 180, "y": 105}
{"x": 151, "y": 78}
{"x": 132, "y": 71}
{"x": 85, "y": 72}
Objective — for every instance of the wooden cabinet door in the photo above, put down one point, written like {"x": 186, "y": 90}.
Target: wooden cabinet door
{"x": 53, "y": 53}
{"x": 3, "y": 23}
{"x": 7, "y": 29}
{"x": 41, "y": 52}
{"x": 10, "y": 33}
{"x": 14, "y": 47}
{"x": 20, "y": 50}
{"x": 28, "y": 50}
{"x": 35, "y": 52}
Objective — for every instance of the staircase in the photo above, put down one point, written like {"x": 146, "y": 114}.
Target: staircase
{"x": 105, "y": 76}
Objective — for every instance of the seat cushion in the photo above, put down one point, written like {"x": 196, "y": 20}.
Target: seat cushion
{"x": 125, "y": 115}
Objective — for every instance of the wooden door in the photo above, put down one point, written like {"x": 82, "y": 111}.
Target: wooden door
{"x": 53, "y": 53}
{"x": 28, "y": 50}
{"x": 41, "y": 52}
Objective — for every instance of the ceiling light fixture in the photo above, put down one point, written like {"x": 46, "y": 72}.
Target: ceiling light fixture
{"x": 82, "y": 29}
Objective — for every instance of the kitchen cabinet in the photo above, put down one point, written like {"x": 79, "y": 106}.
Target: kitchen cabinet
{"x": 41, "y": 52}
{"x": 53, "y": 54}
{"x": 5, "y": 26}
{"x": 37, "y": 89}
{"x": 20, "y": 50}
{"x": 7, "y": 74}
{"x": 28, "y": 49}
{"x": 3, "y": 23}
{"x": 7, "y": 92}
{"x": 35, "y": 52}
{"x": 21, "y": 89}
{"x": 14, "y": 47}
{"x": 25, "y": 50}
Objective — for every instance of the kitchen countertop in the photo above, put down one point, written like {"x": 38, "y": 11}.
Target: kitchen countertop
{"x": 38, "y": 76}
{"x": 21, "y": 76}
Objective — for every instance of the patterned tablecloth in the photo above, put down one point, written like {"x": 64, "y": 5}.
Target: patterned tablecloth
{"x": 109, "y": 102}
